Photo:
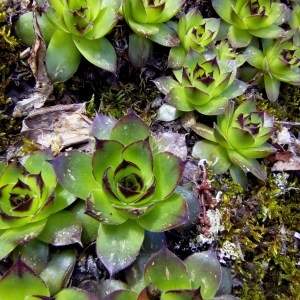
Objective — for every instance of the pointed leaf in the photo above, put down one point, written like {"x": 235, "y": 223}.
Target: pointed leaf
{"x": 99, "y": 52}
{"x": 23, "y": 234}
{"x": 165, "y": 215}
{"x": 272, "y": 87}
{"x": 107, "y": 153}
{"x": 247, "y": 164}
{"x": 121, "y": 295}
{"x": 118, "y": 245}
{"x": 62, "y": 57}
{"x": 74, "y": 293}
{"x": 99, "y": 206}
{"x": 61, "y": 229}
{"x": 59, "y": 270}
{"x": 165, "y": 84}
{"x": 213, "y": 153}
{"x": 166, "y": 36}
{"x": 168, "y": 169}
{"x": 205, "y": 272}
{"x": 166, "y": 271}
{"x": 238, "y": 38}
{"x": 6, "y": 248}
{"x": 168, "y": 113}
{"x": 20, "y": 281}
{"x": 129, "y": 129}
{"x": 140, "y": 50}
{"x": 74, "y": 173}
{"x": 102, "y": 126}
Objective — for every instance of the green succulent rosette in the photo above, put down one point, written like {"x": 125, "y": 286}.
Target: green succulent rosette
{"x": 204, "y": 83}
{"x": 28, "y": 198}
{"x": 278, "y": 60}
{"x": 128, "y": 187}
{"x": 148, "y": 18}
{"x": 195, "y": 33}
{"x": 235, "y": 142}
{"x": 248, "y": 18}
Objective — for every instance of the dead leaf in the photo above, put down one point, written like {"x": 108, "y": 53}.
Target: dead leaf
{"x": 43, "y": 87}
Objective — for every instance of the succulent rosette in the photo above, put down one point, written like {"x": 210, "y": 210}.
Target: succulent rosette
{"x": 80, "y": 30}
{"x": 29, "y": 196}
{"x": 127, "y": 186}
{"x": 247, "y": 18}
{"x": 204, "y": 84}
{"x": 148, "y": 18}
{"x": 195, "y": 33}
{"x": 278, "y": 60}
{"x": 235, "y": 142}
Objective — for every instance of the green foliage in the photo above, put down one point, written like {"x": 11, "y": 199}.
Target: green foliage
{"x": 262, "y": 222}
{"x": 127, "y": 186}
{"x": 30, "y": 196}
{"x": 248, "y": 18}
{"x": 199, "y": 276}
{"x": 279, "y": 61}
{"x": 76, "y": 28}
{"x": 204, "y": 83}
{"x": 149, "y": 19}
{"x": 20, "y": 282}
{"x": 235, "y": 142}
{"x": 194, "y": 33}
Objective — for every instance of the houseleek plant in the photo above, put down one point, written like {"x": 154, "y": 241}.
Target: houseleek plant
{"x": 128, "y": 187}
{"x": 235, "y": 142}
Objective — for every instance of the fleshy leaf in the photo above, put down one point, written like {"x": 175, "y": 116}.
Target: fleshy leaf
{"x": 100, "y": 207}
{"x": 213, "y": 153}
{"x": 166, "y": 271}
{"x": 168, "y": 113}
{"x": 129, "y": 129}
{"x": 204, "y": 270}
{"x": 166, "y": 214}
{"x": 74, "y": 173}
{"x": 166, "y": 36}
{"x": 62, "y": 59}
{"x": 6, "y": 248}
{"x": 20, "y": 281}
{"x": 61, "y": 229}
{"x": 140, "y": 50}
{"x": 74, "y": 293}
{"x": 126, "y": 240}
{"x": 168, "y": 169}
{"x": 102, "y": 126}
{"x": 248, "y": 164}
{"x": 89, "y": 224}
{"x": 99, "y": 52}
{"x": 182, "y": 295}
{"x": 23, "y": 234}
{"x": 59, "y": 270}
{"x": 35, "y": 254}
{"x": 165, "y": 84}
{"x": 121, "y": 295}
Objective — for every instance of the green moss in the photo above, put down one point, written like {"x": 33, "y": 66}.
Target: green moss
{"x": 263, "y": 221}
{"x": 9, "y": 47}
{"x": 116, "y": 100}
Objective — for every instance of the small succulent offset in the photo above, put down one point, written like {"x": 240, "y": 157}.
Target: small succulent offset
{"x": 166, "y": 277}
{"x": 278, "y": 60}
{"x": 248, "y": 18}
{"x": 80, "y": 30}
{"x": 204, "y": 83}
{"x": 235, "y": 142}
{"x": 149, "y": 19}
{"x": 128, "y": 188}
{"x": 195, "y": 33}
{"x": 32, "y": 203}
{"x": 21, "y": 282}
